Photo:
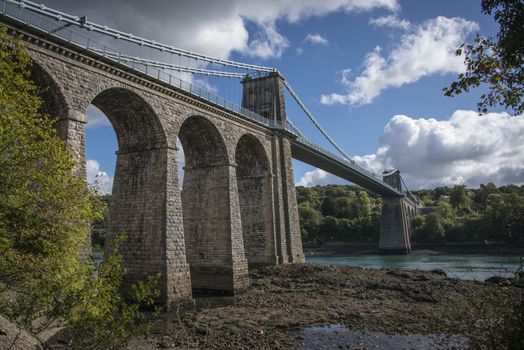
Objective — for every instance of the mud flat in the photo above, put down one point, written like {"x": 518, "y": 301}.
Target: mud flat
{"x": 306, "y": 306}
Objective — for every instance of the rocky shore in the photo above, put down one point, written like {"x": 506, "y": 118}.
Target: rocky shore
{"x": 282, "y": 301}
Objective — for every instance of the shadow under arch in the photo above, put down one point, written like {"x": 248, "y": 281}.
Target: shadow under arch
{"x": 136, "y": 125}
{"x": 53, "y": 101}
{"x": 254, "y": 183}
{"x": 216, "y": 263}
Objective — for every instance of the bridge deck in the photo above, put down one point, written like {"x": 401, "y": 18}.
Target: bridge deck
{"x": 314, "y": 155}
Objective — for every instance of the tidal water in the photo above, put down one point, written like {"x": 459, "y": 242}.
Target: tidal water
{"x": 468, "y": 267}
{"x": 338, "y": 336}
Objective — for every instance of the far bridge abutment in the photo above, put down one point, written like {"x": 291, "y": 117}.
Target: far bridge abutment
{"x": 396, "y": 223}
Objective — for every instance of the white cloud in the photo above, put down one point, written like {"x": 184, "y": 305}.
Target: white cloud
{"x": 96, "y": 118}
{"x": 426, "y": 50}
{"x": 181, "y": 163}
{"x": 390, "y": 21}
{"x": 100, "y": 179}
{"x": 319, "y": 177}
{"x": 466, "y": 148}
{"x": 316, "y": 39}
{"x": 203, "y": 84}
{"x": 269, "y": 44}
{"x": 214, "y": 27}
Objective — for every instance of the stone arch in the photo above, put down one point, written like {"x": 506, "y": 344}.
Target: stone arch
{"x": 210, "y": 209}
{"x": 139, "y": 197}
{"x": 255, "y": 197}
{"x": 136, "y": 124}
{"x": 53, "y": 101}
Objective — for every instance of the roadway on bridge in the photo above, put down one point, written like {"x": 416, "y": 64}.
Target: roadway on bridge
{"x": 317, "y": 158}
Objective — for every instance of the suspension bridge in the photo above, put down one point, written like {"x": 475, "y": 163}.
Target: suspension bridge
{"x": 122, "y": 74}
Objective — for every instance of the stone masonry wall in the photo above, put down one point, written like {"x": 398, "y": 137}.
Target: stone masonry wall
{"x": 147, "y": 205}
{"x": 291, "y": 217}
{"x": 254, "y": 191}
{"x": 396, "y": 225}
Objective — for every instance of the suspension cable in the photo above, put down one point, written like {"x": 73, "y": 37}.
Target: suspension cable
{"x": 312, "y": 118}
{"x": 163, "y": 65}
{"x": 408, "y": 191}
{"x": 82, "y": 22}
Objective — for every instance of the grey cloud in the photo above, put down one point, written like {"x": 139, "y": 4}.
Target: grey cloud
{"x": 212, "y": 27}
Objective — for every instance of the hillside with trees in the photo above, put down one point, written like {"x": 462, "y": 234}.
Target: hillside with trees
{"x": 489, "y": 213}
{"x": 338, "y": 213}
{"x": 453, "y": 214}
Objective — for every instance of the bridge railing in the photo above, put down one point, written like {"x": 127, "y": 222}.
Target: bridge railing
{"x": 53, "y": 26}
{"x": 302, "y": 139}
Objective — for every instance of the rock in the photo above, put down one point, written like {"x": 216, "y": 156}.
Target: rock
{"x": 498, "y": 280}
{"x": 14, "y": 338}
{"x": 55, "y": 338}
{"x": 397, "y": 274}
{"x": 165, "y": 343}
{"x": 438, "y": 272}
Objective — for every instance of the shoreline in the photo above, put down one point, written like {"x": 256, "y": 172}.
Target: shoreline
{"x": 463, "y": 248}
{"x": 285, "y": 301}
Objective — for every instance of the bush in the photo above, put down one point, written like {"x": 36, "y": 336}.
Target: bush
{"x": 45, "y": 216}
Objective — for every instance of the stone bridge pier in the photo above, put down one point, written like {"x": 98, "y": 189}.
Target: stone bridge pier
{"x": 396, "y": 223}
{"x": 236, "y": 207}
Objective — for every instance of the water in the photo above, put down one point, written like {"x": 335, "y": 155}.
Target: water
{"x": 468, "y": 267}
{"x": 339, "y": 336}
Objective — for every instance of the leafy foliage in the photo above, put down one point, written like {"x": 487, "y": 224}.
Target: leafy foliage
{"x": 484, "y": 214}
{"x": 349, "y": 213}
{"x": 500, "y": 63}
{"x": 336, "y": 212}
{"x": 45, "y": 216}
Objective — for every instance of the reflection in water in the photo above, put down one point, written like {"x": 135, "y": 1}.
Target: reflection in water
{"x": 338, "y": 336}
{"x": 468, "y": 267}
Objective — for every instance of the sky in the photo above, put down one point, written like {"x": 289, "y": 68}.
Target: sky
{"x": 371, "y": 71}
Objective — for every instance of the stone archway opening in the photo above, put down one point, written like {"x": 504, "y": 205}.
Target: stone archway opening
{"x": 53, "y": 102}
{"x": 137, "y": 205}
{"x": 255, "y": 197}
{"x": 210, "y": 220}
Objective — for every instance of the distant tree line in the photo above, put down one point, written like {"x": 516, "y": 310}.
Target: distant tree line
{"x": 338, "y": 213}
{"x": 351, "y": 214}
{"x": 455, "y": 214}
{"x": 489, "y": 213}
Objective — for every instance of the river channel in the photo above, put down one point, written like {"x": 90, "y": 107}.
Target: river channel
{"x": 468, "y": 267}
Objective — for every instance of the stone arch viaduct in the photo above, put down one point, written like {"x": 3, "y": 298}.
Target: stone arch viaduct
{"x": 237, "y": 207}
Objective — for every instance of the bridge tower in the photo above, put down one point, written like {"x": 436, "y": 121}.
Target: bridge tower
{"x": 264, "y": 95}
{"x": 397, "y": 217}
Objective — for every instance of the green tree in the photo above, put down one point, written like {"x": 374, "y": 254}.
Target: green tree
{"x": 310, "y": 220}
{"x": 483, "y": 192}
{"x": 363, "y": 206}
{"x": 328, "y": 229}
{"x": 344, "y": 206}
{"x": 497, "y": 63}
{"x": 45, "y": 212}
{"x": 431, "y": 230}
{"x": 460, "y": 198}
{"x": 328, "y": 206}
{"x": 446, "y": 212}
